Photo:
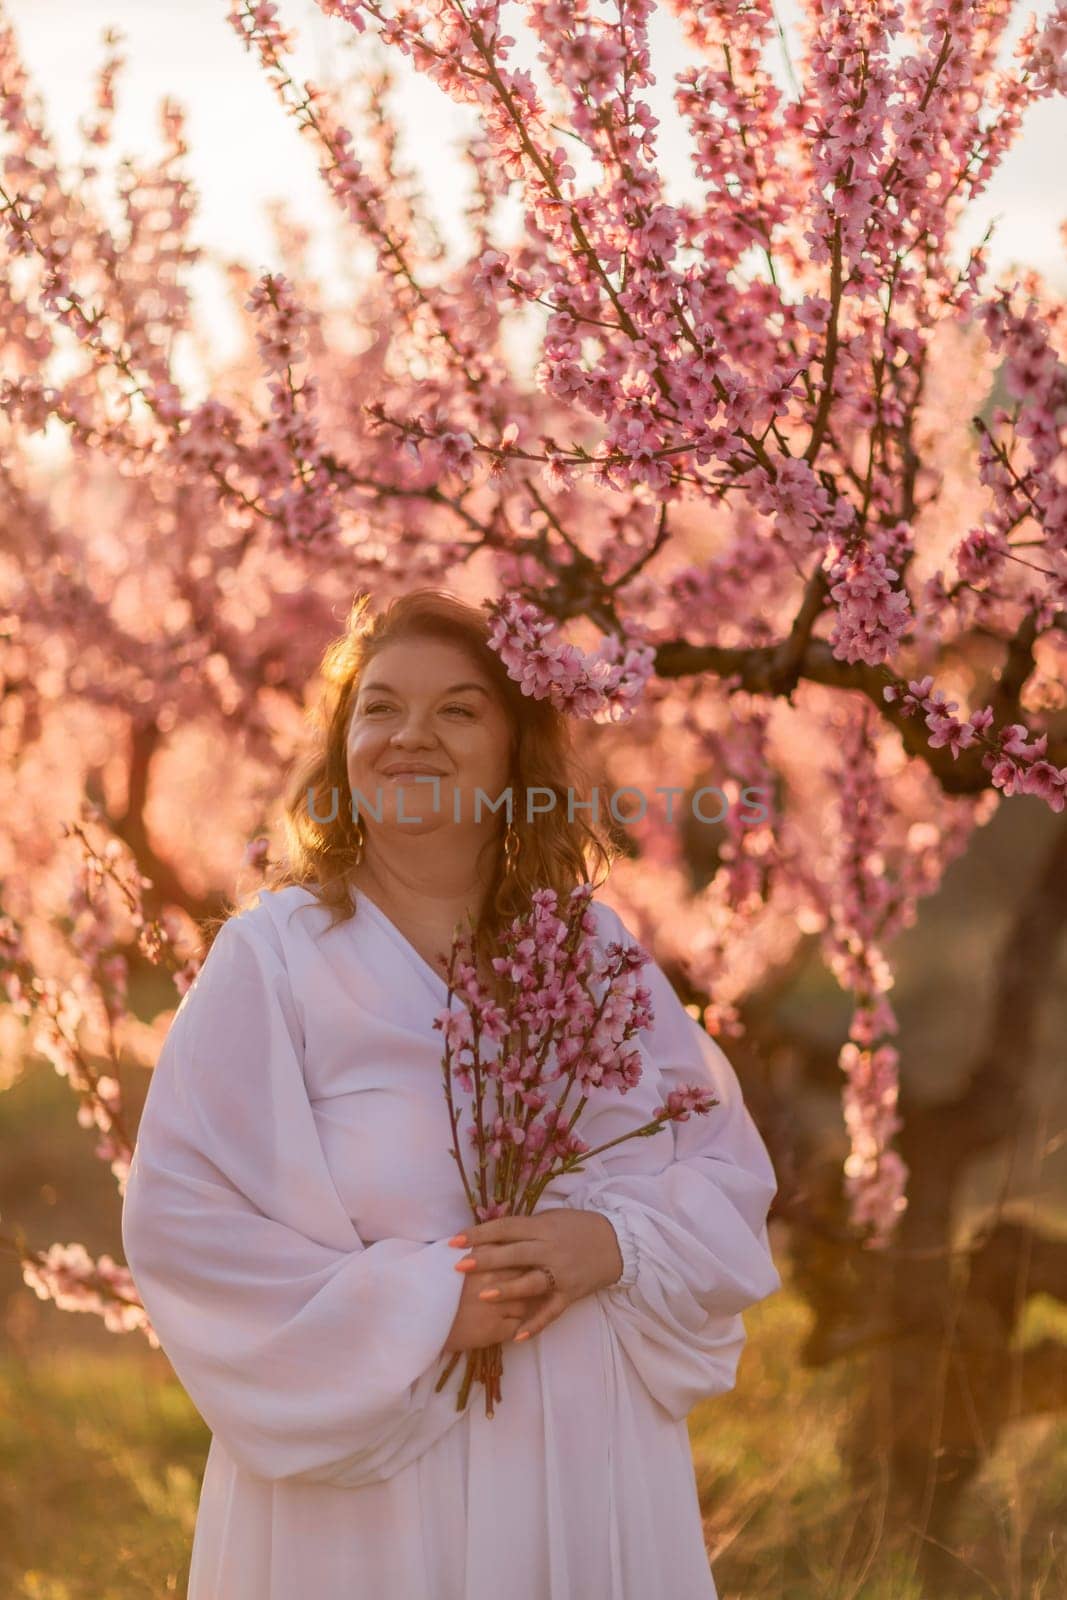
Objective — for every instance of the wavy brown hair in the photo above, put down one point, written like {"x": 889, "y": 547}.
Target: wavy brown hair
{"x": 554, "y": 851}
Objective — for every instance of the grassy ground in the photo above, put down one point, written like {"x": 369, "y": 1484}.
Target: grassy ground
{"x": 100, "y": 1465}
{"x": 778, "y": 1507}
{"x": 101, "y": 1455}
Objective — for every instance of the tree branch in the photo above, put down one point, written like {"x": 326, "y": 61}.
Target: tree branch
{"x": 775, "y": 670}
{"x": 129, "y": 826}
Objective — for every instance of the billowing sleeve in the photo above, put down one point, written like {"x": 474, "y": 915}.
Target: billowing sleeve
{"x": 310, "y": 1355}
{"x": 689, "y": 1207}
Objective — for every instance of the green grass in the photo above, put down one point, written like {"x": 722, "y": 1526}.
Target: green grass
{"x": 100, "y": 1466}
{"x": 101, "y": 1455}
{"x": 778, "y": 1507}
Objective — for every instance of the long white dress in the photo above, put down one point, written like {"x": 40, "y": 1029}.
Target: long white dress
{"x": 286, "y": 1220}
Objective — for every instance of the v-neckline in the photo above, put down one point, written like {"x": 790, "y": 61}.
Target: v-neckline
{"x": 401, "y": 938}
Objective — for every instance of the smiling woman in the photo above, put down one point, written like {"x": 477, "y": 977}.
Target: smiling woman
{"x": 454, "y": 752}
{"x": 294, "y": 1219}
{"x": 424, "y": 731}
{"x": 426, "y": 755}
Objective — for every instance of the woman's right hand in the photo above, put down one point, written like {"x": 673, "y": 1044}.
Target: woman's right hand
{"x": 478, "y": 1323}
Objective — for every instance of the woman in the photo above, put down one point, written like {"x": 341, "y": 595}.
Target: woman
{"x": 295, "y": 1222}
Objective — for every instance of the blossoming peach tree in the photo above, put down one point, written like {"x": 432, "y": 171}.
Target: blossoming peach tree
{"x": 777, "y": 504}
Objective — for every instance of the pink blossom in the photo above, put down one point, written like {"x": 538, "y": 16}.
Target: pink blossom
{"x": 1049, "y": 782}
{"x": 67, "y": 1275}
{"x": 872, "y": 614}
{"x": 605, "y": 686}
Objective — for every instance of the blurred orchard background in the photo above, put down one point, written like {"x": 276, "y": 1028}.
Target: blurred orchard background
{"x": 764, "y": 434}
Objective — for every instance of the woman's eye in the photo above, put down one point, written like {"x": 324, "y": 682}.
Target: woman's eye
{"x": 380, "y": 705}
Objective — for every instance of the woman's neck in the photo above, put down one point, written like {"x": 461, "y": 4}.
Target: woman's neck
{"x": 434, "y": 905}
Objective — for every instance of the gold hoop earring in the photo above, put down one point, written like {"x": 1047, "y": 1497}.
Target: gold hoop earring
{"x": 357, "y": 829}
{"x": 512, "y": 845}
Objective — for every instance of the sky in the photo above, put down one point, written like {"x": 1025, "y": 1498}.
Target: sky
{"x": 244, "y": 149}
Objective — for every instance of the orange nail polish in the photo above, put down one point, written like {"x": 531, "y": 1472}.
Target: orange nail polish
{"x": 467, "y": 1265}
{"x": 459, "y": 1239}
{"x": 525, "y": 1334}
{"x": 489, "y": 1294}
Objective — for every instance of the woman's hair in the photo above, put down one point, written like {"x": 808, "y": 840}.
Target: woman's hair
{"x": 556, "y": 847}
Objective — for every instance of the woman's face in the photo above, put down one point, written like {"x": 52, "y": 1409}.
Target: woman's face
{"x": 423, "y": 704}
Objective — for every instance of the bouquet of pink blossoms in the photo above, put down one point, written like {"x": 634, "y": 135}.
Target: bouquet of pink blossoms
{"x": 567, "y": 1003}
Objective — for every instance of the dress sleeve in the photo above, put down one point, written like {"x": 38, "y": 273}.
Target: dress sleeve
{"x": 689, "y": 1207}
{"x": 310, "y": 1355}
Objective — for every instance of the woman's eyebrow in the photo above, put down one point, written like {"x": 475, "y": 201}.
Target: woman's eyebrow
{"x": 384, "y": 688}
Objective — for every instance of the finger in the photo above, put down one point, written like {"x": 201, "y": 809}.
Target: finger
{"x": 506, "y": 1320}
{"x": 492, "y": 1257}
{"x": 500, "y": 1230}
{"x": 498, "y": 1282}
{"x": 554, "y": 1305}
{"x": 524, "y": 1285}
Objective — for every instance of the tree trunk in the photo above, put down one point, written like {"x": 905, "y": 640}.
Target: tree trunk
{"x": 935, "y": 1322}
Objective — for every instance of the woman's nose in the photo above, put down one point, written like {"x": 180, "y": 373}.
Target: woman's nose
{"x": 413, "y": 731}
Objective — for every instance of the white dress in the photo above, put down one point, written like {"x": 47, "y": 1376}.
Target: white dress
{"x": 286, "y": 1220}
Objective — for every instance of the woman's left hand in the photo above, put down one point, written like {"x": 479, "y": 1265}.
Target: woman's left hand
{"x": 579, "y": 1246}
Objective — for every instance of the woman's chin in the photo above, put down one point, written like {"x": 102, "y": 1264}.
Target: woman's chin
{"x": 413, "y": 828}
